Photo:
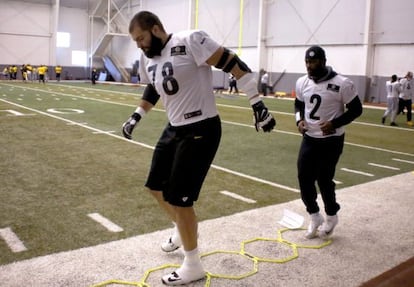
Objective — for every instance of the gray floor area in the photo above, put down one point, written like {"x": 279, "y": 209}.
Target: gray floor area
{"x": 375, "y": 233}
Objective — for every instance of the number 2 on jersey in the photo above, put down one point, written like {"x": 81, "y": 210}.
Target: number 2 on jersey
{"x": 318, "y": 100}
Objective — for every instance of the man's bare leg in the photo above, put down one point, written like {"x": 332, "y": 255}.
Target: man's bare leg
{"x": 191, "y": 269}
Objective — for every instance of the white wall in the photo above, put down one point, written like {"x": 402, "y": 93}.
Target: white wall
{"x": 75, "y": 22}
{"x": 25, "y": 33}
{"x": 393, "y": 59}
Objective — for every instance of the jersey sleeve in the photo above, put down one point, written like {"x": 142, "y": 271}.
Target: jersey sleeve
{"x": 299, "y": 87}
{"x": 349, "y": 91}
{"x": 201, "y": 46}
{"x": 143, "y": 76}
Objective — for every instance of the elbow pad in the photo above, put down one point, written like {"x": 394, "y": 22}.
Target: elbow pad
{"x": 227, "y": 66}
{"x": 150, "y": 94}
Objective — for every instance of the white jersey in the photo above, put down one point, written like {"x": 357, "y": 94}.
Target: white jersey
{"x": 406, "y": 91}
{"x": 393, "y": 89}
{"x": 324, "y": 102}
{"x": 182, "y": 78}
{"x": 388, "y": 88}
{"x": 265, "y": 78}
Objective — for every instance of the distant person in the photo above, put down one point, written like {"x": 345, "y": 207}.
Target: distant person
{"x": 29, "y": 71}
{"x": 5, "y": 73}
{"x": 233, "y": 84}
{"x": 14, "y": 72}
{"x": 35, "y": 74}
{"x": 94, "y": 76}
{"x": 325, "y": 103}
{"x": 393, "y": 90}
{"x": 58, "y": 72}
{"x": 23, "y": 70}
{"x": 46, "y": 73}
{"x": 264, "y": 81}
{"x": 42, "y": 73}
{"x": 405, "y": 96}
{"x": 177, "y": 69}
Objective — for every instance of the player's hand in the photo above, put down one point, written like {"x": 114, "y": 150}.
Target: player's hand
{"x": 327, "y": 128}
{"x": 302, "y": 127}
{"x": 129, "y": 125}
{"x": 262, "y": 118}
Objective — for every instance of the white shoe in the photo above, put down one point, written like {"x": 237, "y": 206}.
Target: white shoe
{"x": 170, "y": 246}
{"x": 180, "y": 277}
{"x": 328, "y": 227}
{"x": 315, "y": 222}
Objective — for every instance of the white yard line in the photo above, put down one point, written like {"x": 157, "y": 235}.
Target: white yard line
{"x": 357, "y": 171}
{"x": 12, "y": 241}
{"x": 254, "y": 178}
{"x": 403, "y": 160}
{"x": 228, "y": 122}
{"x": 237, "y": 196}
{"x": 347, "y": 143}
{"x": 384, "y": 166}
{"x": 95, "y": 130}
{"x": 105, "y": 222}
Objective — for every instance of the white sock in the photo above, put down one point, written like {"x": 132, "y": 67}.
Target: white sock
{"x": 191, "y": 260}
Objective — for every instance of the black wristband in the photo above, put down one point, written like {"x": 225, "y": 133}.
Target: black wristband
{"x": 258, "y": 106}
{"x": 136, "y": 116}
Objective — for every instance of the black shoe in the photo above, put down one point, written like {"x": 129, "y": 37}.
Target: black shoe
{"x": 393, "y": 124}
{"x": 383, "y": 120}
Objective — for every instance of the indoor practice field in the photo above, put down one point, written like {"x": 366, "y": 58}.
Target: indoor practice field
{"x": 64, "y": 160}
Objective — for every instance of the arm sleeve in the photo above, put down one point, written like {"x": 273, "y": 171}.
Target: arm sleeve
{"x": 299, "y": 102}
{"x": 299, "y": 110}
{"x": 150, "y": 94}
{"x": 354, "y": 110}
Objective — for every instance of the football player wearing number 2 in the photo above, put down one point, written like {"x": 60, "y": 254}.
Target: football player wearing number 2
{"x": 325, "y": 102}
{"x": 177, "y": 69}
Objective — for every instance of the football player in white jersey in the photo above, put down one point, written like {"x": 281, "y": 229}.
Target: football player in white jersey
{"x": 406, "y": 95}
{"x": 325, "y": 102}
{"x": 177, "y": 68}
{"x": 393, "y": 90}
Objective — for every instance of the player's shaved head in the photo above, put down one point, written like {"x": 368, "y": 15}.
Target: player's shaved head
{"x": 145, "y": 20}
{"x": 147, "y": 30}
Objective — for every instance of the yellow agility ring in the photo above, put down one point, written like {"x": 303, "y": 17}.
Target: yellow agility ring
{"x": 278, "y": 250}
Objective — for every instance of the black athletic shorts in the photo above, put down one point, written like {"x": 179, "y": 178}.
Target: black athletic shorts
{"x": 181, "y": 160}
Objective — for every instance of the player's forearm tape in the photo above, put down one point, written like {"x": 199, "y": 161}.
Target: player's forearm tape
{"x": 150, "y": 94}
{"x": 298, "y": 117}
{"x": 248, "y": 84}
{"x": 140, "y": 111}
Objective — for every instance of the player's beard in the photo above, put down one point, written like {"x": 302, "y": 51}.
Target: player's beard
{"x": 155, "y": 48}
{"x": 317, "y": 73}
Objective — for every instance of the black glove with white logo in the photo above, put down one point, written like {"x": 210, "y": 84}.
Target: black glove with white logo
{"x": 129, "y": 125}
{"x": 262, "y": 118}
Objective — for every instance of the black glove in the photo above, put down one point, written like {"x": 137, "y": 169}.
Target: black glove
{"x": 262, "y": 118}
{"x": 129, "y": 125}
